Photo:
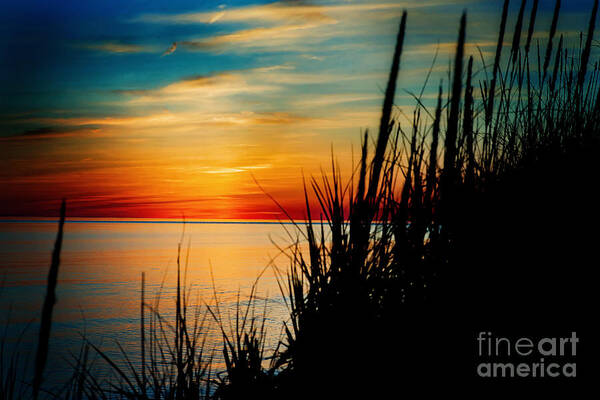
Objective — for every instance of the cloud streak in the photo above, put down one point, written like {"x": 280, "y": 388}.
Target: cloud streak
{"x": 286, "y": 12}
{"x": 276, "y": 36}
{"x": 240, "y": 89}
{"x": 283, "y": 25}
{"x": 278, "y": 12}
{"x": 117, "y": 47}
{"x": 58, "y": 127}
{"x": 203, "y": 89}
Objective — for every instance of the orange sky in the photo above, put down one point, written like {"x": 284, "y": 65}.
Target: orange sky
{"x": 131, "y": 168}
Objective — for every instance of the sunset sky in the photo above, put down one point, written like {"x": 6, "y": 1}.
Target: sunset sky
{"x": 161, "y": 109}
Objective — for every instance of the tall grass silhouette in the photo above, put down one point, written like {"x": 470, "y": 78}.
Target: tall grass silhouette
{"x": 174, "y": 363}
{"x": 49, "y": 301}
{"x": 412, "y": 240}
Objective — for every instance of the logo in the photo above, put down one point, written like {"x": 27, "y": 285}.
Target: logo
{"x": 525, "y": 357}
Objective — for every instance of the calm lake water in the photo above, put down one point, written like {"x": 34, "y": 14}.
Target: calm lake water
{"x": 100, "y": 277}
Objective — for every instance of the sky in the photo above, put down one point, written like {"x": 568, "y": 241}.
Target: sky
{"x": 154, "y": 109}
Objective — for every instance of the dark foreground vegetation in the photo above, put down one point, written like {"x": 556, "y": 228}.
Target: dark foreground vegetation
{"x": 478, "y": 216}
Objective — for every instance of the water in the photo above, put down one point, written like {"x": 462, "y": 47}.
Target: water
{"x": 100, "y": 277}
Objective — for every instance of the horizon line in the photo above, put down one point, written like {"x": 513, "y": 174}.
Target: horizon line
{"x": 144, "y": 221}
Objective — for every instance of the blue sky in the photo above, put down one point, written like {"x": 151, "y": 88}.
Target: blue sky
{"x": 84, "y": 56}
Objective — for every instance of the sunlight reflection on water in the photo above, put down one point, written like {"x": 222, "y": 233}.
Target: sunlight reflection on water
{"x": 99, "y": 280}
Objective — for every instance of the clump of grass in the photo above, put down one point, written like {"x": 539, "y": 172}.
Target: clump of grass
{"x": 245, "y": 375}
{"x": 173, "y": 360}
{"x": 13, "y": 363}
{"x": 402, "y": 240}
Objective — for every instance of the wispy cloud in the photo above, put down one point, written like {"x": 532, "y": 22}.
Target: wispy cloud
{"x": 234, "y": 170}
{"x": 45, "y": 132}
{"x": 149, "y": 122}
{"x": 226, "y": 89}
{"x": 276, "y": 36}
{"x": 201, "y": 88}
{"x": 117, "y": 47}
{"x": 445, "y": 48}
{"x": 334, "y": 99}
{"x": 312, "y": 57}
{"x": 278, "y": 12}
{"x": 286, "y": 12}
{"x": 285, "y": 25}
